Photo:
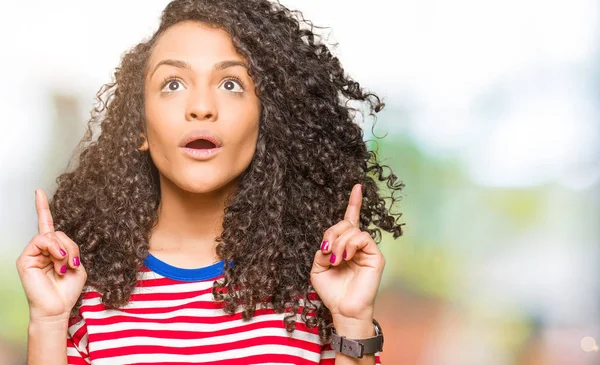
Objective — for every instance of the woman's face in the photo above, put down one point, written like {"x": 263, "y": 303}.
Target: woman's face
{"x": 197, "y": 82}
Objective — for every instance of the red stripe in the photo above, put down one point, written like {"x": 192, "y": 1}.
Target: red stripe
{"x": 74, "y": 360}
{"x": 155, "y": 310}
{"x": 166, "y": 281}
{"x": 256, "y": 359}
{"x": 179, "y": 334}
{"x": 132, "y": 324}
{"x": 139, "y": 297}
{"x": 207, "y": 349}
{"x": 327, "y": 362}
{"x": 187, "y": 319}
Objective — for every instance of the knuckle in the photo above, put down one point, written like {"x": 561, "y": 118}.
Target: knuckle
{"x": 381, "y": 261}
{"x": 333, "y": 244}
{"x": 357, "y": 238}
{"x": 70, "y": 245}
{"x": 353, "y": 241}
{"x": 39, "y": 240}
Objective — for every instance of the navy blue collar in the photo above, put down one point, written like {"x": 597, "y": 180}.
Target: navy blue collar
{"x": 203, "y": 273}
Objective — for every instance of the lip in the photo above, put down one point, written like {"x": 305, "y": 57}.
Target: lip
{"x": 195, "y": 134}
{"x": 201, "y": 154}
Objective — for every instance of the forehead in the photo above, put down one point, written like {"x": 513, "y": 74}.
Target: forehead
{"x": 194, "y": 42}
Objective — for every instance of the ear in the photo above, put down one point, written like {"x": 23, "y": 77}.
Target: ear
{"x": 144, "y": 146}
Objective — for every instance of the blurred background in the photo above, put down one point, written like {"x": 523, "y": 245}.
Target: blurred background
{"x": 491, "y": 121}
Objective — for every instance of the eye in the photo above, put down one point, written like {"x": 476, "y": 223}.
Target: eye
{"x": 171, "y": 85}
{"x": 231, "y": 83}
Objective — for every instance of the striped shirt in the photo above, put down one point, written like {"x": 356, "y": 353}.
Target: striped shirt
{"x": 172, "y": 318}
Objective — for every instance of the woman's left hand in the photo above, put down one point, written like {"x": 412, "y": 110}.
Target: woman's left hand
{"x": 347, "y": 269}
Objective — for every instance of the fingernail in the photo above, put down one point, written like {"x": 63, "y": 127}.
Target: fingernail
{"x": 324, "y": 245}
{"x": 360, "y": 187}
{"x": 63, "y": 252}
{"x": 332, "y": 258}
{"x": 76, "y": 260}
{"x": 63, "y": 270}
{"x": 344, "y": 254}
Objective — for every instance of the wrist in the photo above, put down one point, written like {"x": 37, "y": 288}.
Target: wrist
{"x": 47, "y": 328}
{"x": 48, "y": 323}
{"x": 354, "y": 328}
{"x": 356, "y": 340}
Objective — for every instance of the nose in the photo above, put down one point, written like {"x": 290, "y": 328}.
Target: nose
{"x": 201, "y": 106}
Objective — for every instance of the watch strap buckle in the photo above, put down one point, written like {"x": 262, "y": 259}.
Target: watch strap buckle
{"x": 358, "y": 348}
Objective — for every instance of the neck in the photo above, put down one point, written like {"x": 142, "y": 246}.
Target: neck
{"x": 188, "y": 224}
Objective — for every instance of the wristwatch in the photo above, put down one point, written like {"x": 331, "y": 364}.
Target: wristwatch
{"x": 358, "y": 348}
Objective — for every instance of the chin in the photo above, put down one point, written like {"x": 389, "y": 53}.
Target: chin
{"x": 204, "y": 185}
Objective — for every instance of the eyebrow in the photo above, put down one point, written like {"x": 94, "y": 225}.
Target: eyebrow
{"x": 186, "y": 66}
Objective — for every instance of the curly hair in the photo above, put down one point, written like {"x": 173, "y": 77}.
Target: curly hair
{"x": 308, "y": 156}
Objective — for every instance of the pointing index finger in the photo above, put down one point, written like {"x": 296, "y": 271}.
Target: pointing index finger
{"x": 45, "y": 222}
{"x": 354, "y": 202}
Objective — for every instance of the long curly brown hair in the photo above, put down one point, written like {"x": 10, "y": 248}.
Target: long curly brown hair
{"x": 308, "y": 156}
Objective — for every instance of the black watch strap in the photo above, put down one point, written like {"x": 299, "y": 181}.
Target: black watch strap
{"x": 358, "y": 348}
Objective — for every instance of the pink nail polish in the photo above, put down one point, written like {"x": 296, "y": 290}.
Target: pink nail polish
{"x": 324, "y": 245}
{"x": 63, "y": 252}
{"x": 344, "y": 254}
{"x": 76, "y": 261}
{"x": 332, "y": 258}
{"x": 63, "y": 270}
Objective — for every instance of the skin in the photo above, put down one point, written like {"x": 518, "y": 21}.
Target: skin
{"x": 193, "y": 192}
{"x": 346, "y": 271}
{"x": 52, "y": 278}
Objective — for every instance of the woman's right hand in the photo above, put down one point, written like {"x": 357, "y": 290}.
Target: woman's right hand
{"x": 50, "y": 269}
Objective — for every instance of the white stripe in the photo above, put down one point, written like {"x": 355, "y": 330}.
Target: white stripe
{"x": 328, "y": 354}
{"x": 170, "y": 288}
{"x": 147, "y": 275}
{"x": 174, "y": 288}
{"x": 83, "y": 343}
{"x": 191, "y": 312}
{"x": 75, "y": 327}
{"x": 207, "y": 358}
{"x": 183, "y": 326}
{"x": 150, "y": 275}
{"x": 74, "y": 353}
{"x": 208, "y": 297}
{"x": 214, "y": 340}
{"x": 82, "y": 346}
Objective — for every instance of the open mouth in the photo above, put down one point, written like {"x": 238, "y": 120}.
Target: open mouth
{"x": 201, "y": 144}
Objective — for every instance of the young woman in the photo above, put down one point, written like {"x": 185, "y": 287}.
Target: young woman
{"x": 225, "y": 213}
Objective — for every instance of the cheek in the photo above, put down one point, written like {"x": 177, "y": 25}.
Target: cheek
{"x": 161, "y": 136}
{"x": 246, "y": 139}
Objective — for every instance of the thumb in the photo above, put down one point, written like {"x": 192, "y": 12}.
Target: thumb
{"x": 321, "y": 262}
